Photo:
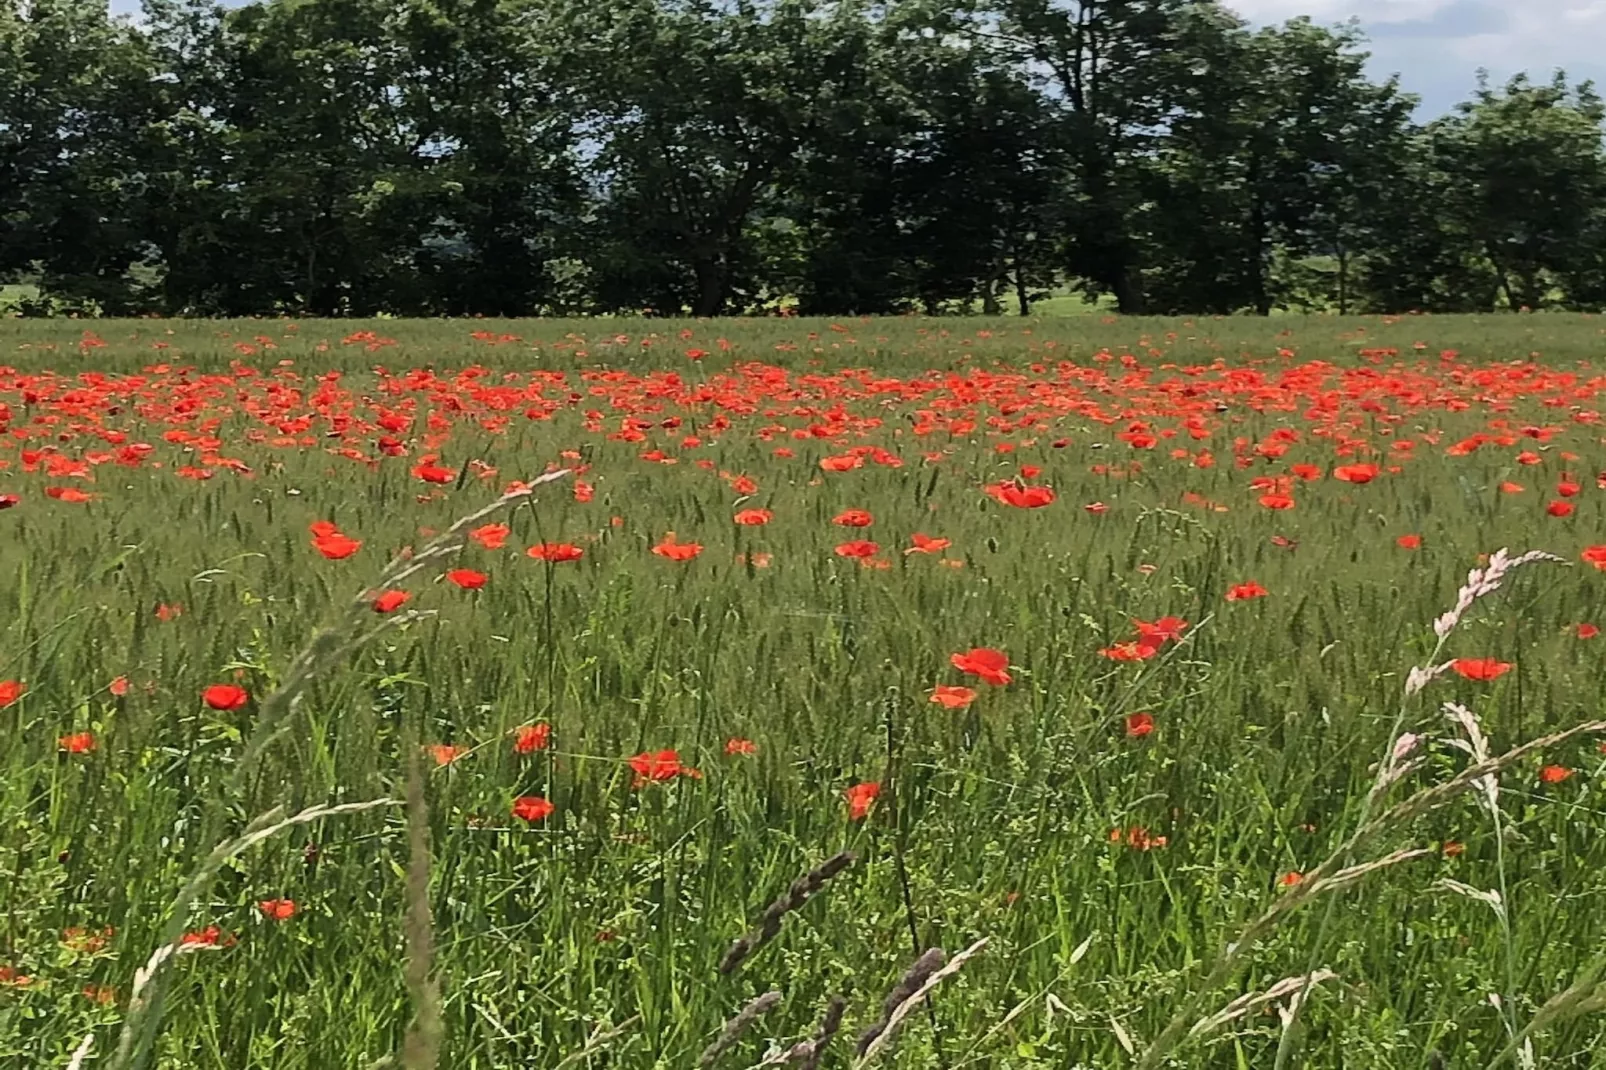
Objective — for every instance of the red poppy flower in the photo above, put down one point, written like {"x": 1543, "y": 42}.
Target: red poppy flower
{"x": 1139, "y": 725}
{"x": 1241, "y": 591}
{"x": 225, "y": 696}
{"x": 583, "y": 491}
{"x": 952, "y": 697}
{"x": 1409, "y": 542}
{"x": 1010, "y": 493}
{"x": 853, "y": 518}
{"x": 491, "y": 536}
{"x": 1283, "y": 542}
{"x": 1567, "y": 489}
{"x": 165, "y": 613}
{"x": 1554, "y": 774}
{"x": 8, "y": 500}
{"x": 445, "y": 753}
{"x": 1560, "y": 508}
{"x": 1587, "y": 631}
{"x": 277, "y": 909}
{"x": 531, "y": 737}
{"x": 658, "y": 766}
{"x": 532, "y": 808}
{"x": 1288, "y": 880}
{"x": 1509, "y": 487}
{"x": 752, "y": 518}
{"x": 1595, "y": 555}
{"x": 211, "y": 936}
{"x": 1137, "y": 837}
{"x": 323, "y": 528}
{"x": 1141, "y": 649}
{"x": 1096, "y": 508}
{"x": 846, "y": 462}
{"x": 1307, "y": 472}
{"x": 119, "y": 686}
{"x": 1356, "y": 473}
{"x": 736, "y": 745}
{"x": 430, "y": 472}
{"x": 77, "y": 742}
{"x": 677, "y": 551}
{"x": 11, "y": 691}
{"x": 68, "y": 494}
{"x": 336, "y": 546}
{"x": 1277, "y": 501}
{"x": 389, "y": 601}
{"x": 1528, "y": 457}
{"x": 988, "y": 664}
{"x": 467, "y": 578}
{"x": 555, "y": 552}
{"x": 926, "y": 544}
{"x": 860, "y": 797}
{"x": 1165, "y": 628}
{"x": 860, "y": 548}
{"x": 1480, "y": 668}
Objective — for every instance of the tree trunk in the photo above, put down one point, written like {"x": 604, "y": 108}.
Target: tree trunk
{"x": 1129, "y": 290}
{"x": 1257, "y": 238}
{"x": 1505, "y": 280}
{"x": 1021, "y": 293}
{"x": 1533, "y": 290}
{"x": 1343, "y": 278}
{"x": 712, "y": 282}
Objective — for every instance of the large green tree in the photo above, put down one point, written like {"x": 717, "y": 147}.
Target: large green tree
{"x": 77, "y": 113}
{"x": 511, "y": 157}
{"x": 1531, "y": 180}
{"x": 945, "y": 190}
{"x": 700, "y": 112}
{"x": 485, "y": 80}
{"x": 1284, "y": 152}
{"x": 1502, "y": 204}
{"x": 1115, "y": 72}
{"x": 320, "y": 179}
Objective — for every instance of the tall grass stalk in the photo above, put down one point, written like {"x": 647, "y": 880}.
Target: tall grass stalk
{"x": 327, "y": 648}
{"x": 1394, "y": 765}
{"x": 421, "y": 1047}
{"x": 1331, "y": 875}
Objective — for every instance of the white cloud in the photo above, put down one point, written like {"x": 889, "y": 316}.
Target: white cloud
{"x": 1437, "y": 46}
{"x": 1331, "y": 10}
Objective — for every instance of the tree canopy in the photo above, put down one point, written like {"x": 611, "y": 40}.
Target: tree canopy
{"x": 514, "y": 157}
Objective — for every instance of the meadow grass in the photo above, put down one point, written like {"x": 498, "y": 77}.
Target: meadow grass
{"x": 899, "y": 343}
{"x": 598, "y": 931}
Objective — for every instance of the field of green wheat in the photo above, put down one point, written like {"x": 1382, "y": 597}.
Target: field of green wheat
{"x": 1134, "y": 665}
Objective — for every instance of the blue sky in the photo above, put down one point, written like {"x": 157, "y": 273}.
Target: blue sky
{"x": 1436, "y": 46}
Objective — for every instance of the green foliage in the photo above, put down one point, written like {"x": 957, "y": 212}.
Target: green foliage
{"x": 508, "y": 157}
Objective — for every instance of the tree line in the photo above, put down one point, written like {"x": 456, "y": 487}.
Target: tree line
{"x": 517, "y": 157}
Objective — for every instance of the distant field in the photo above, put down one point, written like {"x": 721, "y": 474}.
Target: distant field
{"x": 1089, "y": 636}
{"x": 905, "y": 341}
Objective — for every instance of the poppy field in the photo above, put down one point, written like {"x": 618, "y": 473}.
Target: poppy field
{"x": 916, "y": 693}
